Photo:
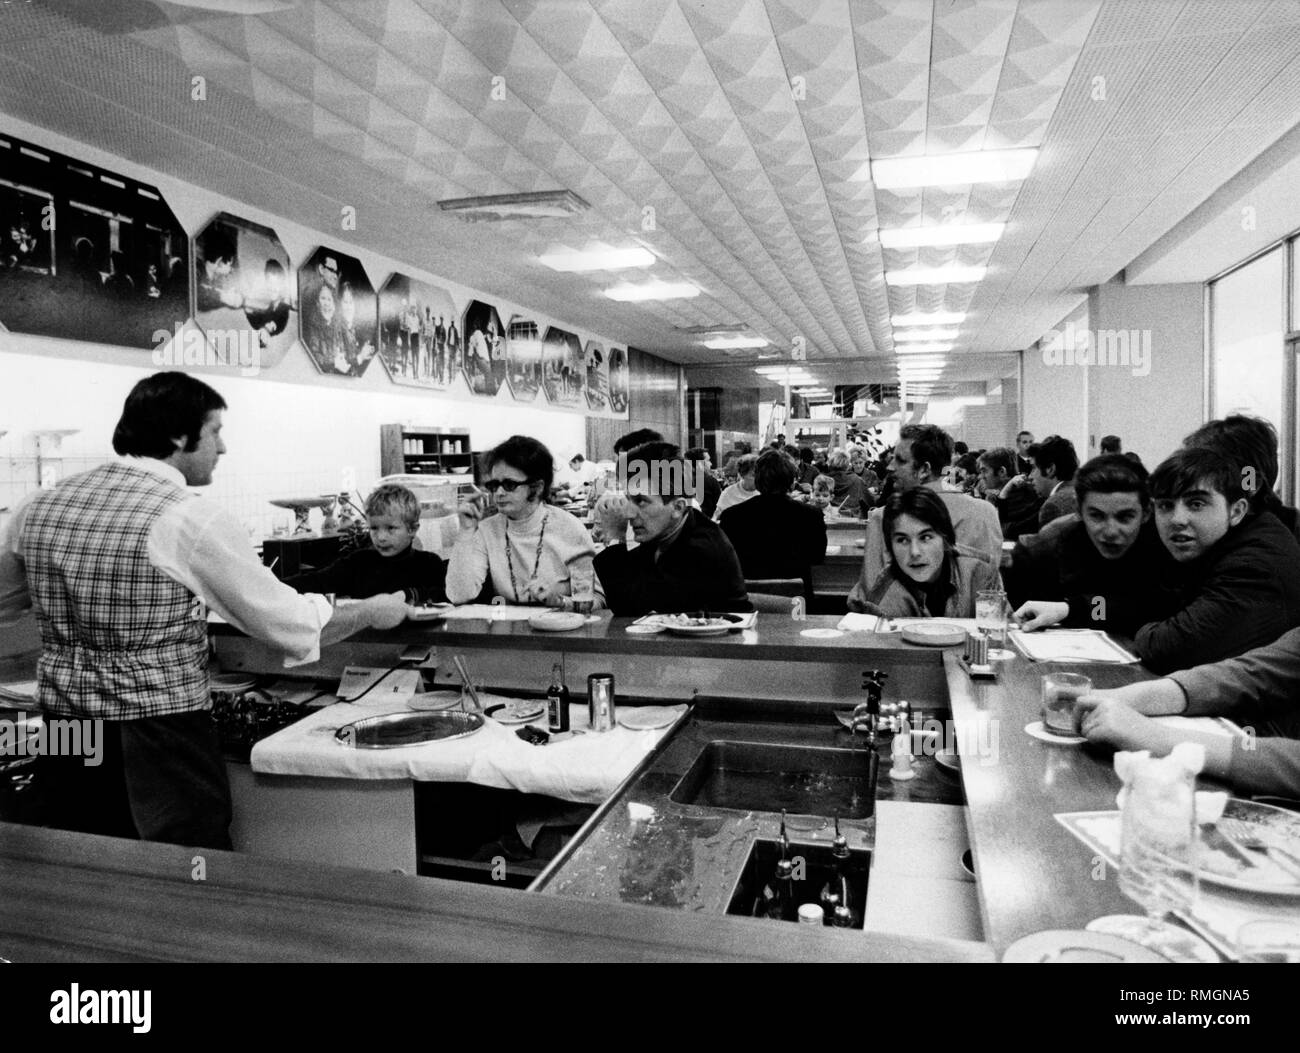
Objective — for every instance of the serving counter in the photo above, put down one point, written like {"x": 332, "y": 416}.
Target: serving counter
{"x": 1031, "y": 873}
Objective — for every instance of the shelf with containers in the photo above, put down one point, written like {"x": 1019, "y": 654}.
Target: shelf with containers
{"x": 413, "y": 450}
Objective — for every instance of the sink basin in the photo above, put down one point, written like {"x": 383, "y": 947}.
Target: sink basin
{"x": 767, "y": 777}
{"x": 814, "y": 867}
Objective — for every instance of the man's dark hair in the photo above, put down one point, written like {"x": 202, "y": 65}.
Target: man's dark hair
{"x": 1055, "y": 452}
{"x": 921, "y": 503}
{"x": 696, "y": 453}
{"x": 218, "y": 244}
{"x": 930, "y": 445}
{"x": 1193, "y": 468}
{"x": 633, "y": 439}
{"x": 999, "y": 457}
{"x": 1250, "y": 443}
{"x": 774, "y": 473}
{"x": 1025, "y": 432}
{"x": 525, "y": 454}
{"x": 968, "y": 463}
{"x": 161, "y": 408}
{"x": 960, "y": 449}
{"x": 747, "y": 462}
{"x": 1112, "y": 473}
{"x": 663, "y": 462}
{"x": 806, "y": 454}
{"x": 1111, "y": 444}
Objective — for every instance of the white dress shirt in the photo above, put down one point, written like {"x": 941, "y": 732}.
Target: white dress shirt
{"x": 200, "y": 545}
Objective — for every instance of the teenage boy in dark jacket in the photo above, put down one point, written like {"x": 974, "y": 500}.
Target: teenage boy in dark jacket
{"x": 1238, "y": 571}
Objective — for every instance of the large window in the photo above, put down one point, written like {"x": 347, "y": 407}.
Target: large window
{"x": 1247, "y": 326}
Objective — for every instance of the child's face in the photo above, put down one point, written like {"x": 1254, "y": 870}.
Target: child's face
{"x": 389, "y": 534}
{"x": 1191, "y": 523}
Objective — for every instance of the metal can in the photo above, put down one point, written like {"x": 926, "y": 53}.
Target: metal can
{"x": 600, "y": 701}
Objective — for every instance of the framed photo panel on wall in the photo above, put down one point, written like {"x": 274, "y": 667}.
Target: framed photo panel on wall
{"x": 338, "y": 315}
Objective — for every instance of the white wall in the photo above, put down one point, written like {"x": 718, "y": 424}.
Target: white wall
{"x": 1055, "y": 397}
{"x": 1151, "y": 413}
{"x": 290, "y": 430}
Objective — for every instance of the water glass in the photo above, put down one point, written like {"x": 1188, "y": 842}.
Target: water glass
{"x": 1059, "y": 690}
{"x": 991, "y": 615}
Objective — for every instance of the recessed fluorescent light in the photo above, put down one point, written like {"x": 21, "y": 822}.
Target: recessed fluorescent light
{"x": 721, "y": 343}
{"x": 916, "y": 335}
{"x": 946, "y": 234}
{"x": 598, "y": 260}
{"x": 542, "y": 204}
{"x": 981, "y": 166}
{"x": 655, "y": 290}
{"x": 929, "y": 318}
{"x": 921, "y": 349}
{"x": 946, "y": 275}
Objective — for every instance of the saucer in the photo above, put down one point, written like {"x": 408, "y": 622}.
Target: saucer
{"x": 1037, "y": 731}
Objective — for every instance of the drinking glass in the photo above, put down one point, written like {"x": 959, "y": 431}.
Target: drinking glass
{"x": 1059, "y": 691}
{"x": 991, "y": 620}
{"x": 1158, "y": 863}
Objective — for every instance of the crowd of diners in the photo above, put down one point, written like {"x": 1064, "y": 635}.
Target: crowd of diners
{"x": 1195, "y": 564}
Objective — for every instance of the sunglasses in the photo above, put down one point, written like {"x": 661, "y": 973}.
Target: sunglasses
{"x": 508, "y": 485}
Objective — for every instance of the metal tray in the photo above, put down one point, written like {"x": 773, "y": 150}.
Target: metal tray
{"x": 407, "y": 729}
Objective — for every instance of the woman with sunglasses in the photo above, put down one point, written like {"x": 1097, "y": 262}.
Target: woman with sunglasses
{"x": 532, "y": 553}
{"x": 928, "y": 576}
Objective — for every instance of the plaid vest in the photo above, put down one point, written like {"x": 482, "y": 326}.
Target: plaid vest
{"x": 121, "y": 640}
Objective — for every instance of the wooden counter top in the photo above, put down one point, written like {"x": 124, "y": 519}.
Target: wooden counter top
{"x": 75, "y": 897}
{"x": 775, "y": 638}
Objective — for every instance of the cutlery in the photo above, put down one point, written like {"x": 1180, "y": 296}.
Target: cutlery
{"x": 1242, "y": 833}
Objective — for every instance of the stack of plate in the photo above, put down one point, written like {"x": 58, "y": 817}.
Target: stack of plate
{"x": 22, "y": 693}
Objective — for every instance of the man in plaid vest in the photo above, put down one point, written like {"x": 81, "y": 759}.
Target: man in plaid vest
{"x": 119, "y": 566}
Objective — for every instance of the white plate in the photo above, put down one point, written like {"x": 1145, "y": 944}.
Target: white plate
{"x": 821, "y": 634}
{"x": 434, "y": 700}
{"x": 425, "y": 614}
{"x": 644, "y": 629}
{"x": 1265, "y": 817}
{"x": 648, "y": 718}
{"x": 1037, "y": 731}
{"x": 700, "y": 630}
{"x": 231, "y": 683}
{"x": 558, "y": 621}
{"x": 949, "y": 760}
{"x": 1066, "y": 945}
{"x": 1175, "y": 943}
{"x": 934, "y": 634}
{"x": 521, "y": 712}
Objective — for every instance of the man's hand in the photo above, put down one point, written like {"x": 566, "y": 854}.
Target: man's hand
{"x": 386, "y": 611}
{"x": 1102, "y": 717}
{"x": 1040, "y": 614}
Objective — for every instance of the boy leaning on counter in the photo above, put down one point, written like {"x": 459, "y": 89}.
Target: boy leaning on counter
{"x": 392, "y": 564}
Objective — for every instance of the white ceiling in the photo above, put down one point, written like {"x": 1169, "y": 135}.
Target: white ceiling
{"x": 1141, "y": 109}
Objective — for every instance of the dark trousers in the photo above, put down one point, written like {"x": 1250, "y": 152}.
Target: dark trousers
{"x": 161, "y": 779}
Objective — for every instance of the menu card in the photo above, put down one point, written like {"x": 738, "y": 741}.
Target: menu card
{"x": 1071, "y": 645}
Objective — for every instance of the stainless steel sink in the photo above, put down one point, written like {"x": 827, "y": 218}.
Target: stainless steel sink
{"x": 768, "y": 777}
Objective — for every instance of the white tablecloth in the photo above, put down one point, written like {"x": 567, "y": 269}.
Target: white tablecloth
{"x": 585, "y": 768}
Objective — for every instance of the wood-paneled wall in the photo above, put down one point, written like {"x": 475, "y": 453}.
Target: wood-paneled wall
{"x": 655, "y": 400}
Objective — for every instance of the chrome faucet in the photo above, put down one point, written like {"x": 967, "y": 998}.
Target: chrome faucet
{"x": 867, "y": 714}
